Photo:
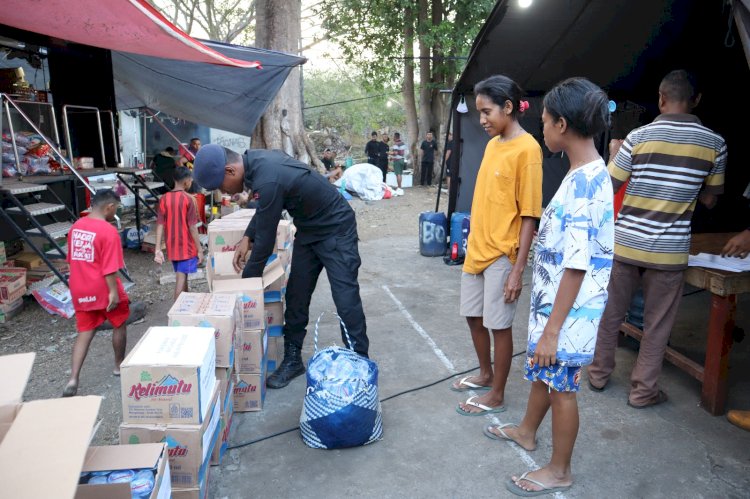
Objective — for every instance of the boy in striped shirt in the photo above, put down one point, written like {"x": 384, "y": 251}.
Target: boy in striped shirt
{"x": 669, "y": 165}
{"x": 178, "y": 218}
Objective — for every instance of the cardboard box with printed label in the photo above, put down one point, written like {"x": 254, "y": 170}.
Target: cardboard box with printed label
{"x": 249, "y": 392}
{"x": 218, "y": 311}
{"x": 251, "y": 351}
{"x": 225, "y": 426}
{"x": 224, "y": 234}
{"x": 274, "y": 313}
{"x": 12, "y": 282}
{"x": 251, "y": 299}
{"x": 200, "y": 492}
{"x": 190, "y": 447}
{"x": 149, "y": 456}
{"x": 10, "y": 309}
{"x": 169, "y": 376}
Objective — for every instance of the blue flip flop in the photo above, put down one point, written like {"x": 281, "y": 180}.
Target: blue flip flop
{"x": 519, "y": 491}
{"x": 485, "y": 408}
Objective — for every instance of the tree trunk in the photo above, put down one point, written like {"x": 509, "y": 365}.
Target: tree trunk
{"x": 425, "y": 114}
{"x": 278, "y": 27}
{"x": 412, "y": 126}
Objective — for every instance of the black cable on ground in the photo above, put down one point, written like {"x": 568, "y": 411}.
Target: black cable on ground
{"x": 410, "y": 390}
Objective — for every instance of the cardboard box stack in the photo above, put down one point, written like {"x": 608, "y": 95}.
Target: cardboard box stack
{"x": 170, "y": 395}
{"x": 222, "y": 312}
{"x": 45, "y": 448}
{"x": 12, "y": 290}
{"x": 251, "y": 361}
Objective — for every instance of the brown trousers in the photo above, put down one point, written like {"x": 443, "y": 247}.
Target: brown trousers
{"x": 662, "y": 292}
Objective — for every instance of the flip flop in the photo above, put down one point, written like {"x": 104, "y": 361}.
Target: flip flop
{"x": 503, "y": 436}
{"x": 519, "y": 491}
{"x": 468, "y": 385}
{"x": 485, "y": 408}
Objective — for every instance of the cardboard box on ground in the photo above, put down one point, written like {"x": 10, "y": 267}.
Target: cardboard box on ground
{"x": 169, "y": 376}
{"x": 190, "y": 447}
{"x": 219, "y": 311}
{"x": 12, "y": 290}
{"x": 35, "y": 441}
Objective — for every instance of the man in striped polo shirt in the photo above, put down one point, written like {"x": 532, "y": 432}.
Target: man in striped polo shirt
{"x": 669, "y": 164}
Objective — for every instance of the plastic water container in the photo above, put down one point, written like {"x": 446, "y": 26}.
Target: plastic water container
{"x": 433, "y": 229}
{"x": 457, "y": 236}
{"x": 465, "y": 229}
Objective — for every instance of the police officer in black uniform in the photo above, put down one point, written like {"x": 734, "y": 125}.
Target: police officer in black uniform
{"x": 326, "y": 238}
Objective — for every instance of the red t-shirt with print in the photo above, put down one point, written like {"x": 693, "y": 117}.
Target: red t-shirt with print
{"x": 94, "y": 251}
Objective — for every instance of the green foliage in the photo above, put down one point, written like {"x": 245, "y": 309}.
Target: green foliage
{"x": 371, "y": 35}
{"x": 353, "y": 120}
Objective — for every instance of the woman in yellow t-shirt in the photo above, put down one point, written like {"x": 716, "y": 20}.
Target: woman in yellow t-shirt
{"x": 506, "y": 205}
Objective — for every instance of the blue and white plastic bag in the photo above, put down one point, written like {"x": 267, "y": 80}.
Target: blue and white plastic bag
{"x": 341, "y": 407}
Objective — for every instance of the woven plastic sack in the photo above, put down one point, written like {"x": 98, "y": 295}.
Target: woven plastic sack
{"x": 341, "y": 406}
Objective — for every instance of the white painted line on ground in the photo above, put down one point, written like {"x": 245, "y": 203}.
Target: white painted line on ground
{"x": 522, "y": 453}
{"x": 440, "y": 355}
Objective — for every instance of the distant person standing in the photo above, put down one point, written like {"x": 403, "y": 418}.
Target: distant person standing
{"x": 164, "y": 164}
{"x": 447, "y": 154}
{"x": 398, "y": 153}
{"x": 372, "y": 149}
{"x": 428, "y": 148}
{"x": 327, "y": 160}
{"x": 383, "y": 152}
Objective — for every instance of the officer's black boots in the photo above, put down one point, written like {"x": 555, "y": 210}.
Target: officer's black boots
{"x": 290, "y": 367}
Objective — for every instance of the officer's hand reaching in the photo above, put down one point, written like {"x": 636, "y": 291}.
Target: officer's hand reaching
{"x": 240, "y": 254}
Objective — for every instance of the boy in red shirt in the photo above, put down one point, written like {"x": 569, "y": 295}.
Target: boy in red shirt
{"x": 179, "y": 215}
{"x": 95, "y": 257}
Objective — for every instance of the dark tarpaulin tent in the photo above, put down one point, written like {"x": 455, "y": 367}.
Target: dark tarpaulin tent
{"x": 626, "y": 47}
{"x": 224, "y": 97}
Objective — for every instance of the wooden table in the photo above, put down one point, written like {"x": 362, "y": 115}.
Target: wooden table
{"x": 724, "y": 287}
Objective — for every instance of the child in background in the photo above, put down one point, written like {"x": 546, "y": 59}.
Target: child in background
{"x": 506, "y": 205}
{"x": 178, "y": 218}
{"x": 572, "y": 265}
{"x": 95, "y": 257}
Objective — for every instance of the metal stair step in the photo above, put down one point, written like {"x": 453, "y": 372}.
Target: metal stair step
{"x": 22, "y": 188}
{"x": 56, "y": 230}
{"x": 38, "y": 208}
{"x": 150, "y": 185}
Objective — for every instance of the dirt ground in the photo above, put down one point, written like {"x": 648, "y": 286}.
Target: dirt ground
{"x": 52, "y": 337}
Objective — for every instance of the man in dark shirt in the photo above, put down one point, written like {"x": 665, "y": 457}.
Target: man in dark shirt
{"x": 372, "y": 149}
{"x": 326, "y": 238}
{"x": 428, "y": 147}
{"x": 328, "y": 160}
{"x": 383, "y": 155}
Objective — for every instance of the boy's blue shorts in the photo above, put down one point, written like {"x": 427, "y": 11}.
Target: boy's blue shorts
{"x": 189, "y": 266}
